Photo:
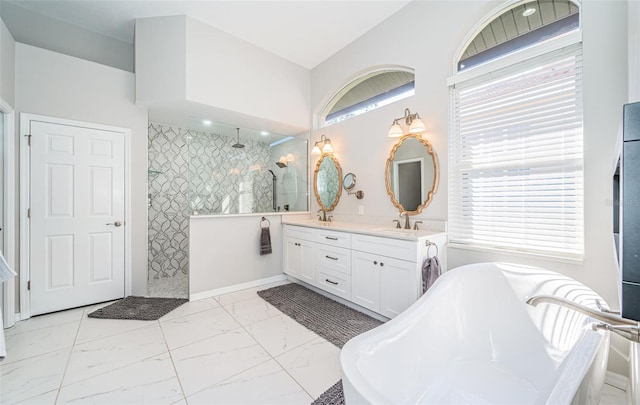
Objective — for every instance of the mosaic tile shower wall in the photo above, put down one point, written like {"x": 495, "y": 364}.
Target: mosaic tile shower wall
{"x": 198, "y": 173}
{"x": 227, "y": 180}
{"x": 168, "y": 231}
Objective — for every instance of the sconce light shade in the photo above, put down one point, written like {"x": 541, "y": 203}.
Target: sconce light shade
{"x": 413, "y": 121}
{"x": 417, "y": 126}
{"x": 395, "y": 131}
{"x": 327, "y": 148}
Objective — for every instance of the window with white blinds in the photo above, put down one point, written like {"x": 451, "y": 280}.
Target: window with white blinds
{"x": 516, "y": 157}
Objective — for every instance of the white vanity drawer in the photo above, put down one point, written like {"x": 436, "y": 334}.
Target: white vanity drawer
{"x": 300, "y": 232}
{"x": 334, "y": 258}
{"x": 333, "y": 238}
{"x": 334, "y": 282}
{"x": 396, "y": 248}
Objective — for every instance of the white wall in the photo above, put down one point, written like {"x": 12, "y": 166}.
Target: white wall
{"x": 185, "y": 65}
{"x": 633, "y": 19}
{"x": 224, "y": 251}
{"x": 160, "y": 58}
{"x": 29, "y": 27}
{"x": 426, "y": 36}
{"x": 56, "y": 85}
{"x": 227, "y": 72}
{"x": 7, "y": 65}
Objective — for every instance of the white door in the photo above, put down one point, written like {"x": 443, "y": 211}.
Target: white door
{"x": 77, "y": 216}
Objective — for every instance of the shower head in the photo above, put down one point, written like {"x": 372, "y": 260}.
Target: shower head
{"x": 281, "y": 165}
{"x": 238, "y": 145}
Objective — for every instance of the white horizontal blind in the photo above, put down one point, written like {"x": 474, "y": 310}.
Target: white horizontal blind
{"x": 516, "y": 157}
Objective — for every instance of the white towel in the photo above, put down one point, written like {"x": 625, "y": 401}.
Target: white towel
{"x": 430, "y": 272}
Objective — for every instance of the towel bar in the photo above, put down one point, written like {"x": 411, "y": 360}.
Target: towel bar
{"x": 428, "y": 244}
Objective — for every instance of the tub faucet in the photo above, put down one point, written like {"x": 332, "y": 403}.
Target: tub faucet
{"x": 407, "y": 225}
{"x": 626, "y": 328}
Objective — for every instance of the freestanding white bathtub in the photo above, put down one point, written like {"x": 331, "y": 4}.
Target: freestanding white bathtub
{"x": 472, "y": 339}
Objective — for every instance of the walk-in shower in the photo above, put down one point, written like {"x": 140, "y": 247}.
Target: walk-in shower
{"x": 213, "y": 170}
{"x": 232, "y": 170}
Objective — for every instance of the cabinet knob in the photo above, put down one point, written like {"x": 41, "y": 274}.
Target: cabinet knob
{"x": 381, "y": 264}
{"x": 375, "y": 262}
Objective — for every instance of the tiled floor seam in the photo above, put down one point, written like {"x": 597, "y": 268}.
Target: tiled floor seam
{"x": 173, "y": 364}
{"x": 190, "y": 313}
{"x": 108, "y": 371}
{"x": 271, "y": 357}
{"x": 66, "y": 366}
{"x": 199, "y": 340}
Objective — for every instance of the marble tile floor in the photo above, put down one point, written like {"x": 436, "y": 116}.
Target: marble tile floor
{"x": 231, "y": 349}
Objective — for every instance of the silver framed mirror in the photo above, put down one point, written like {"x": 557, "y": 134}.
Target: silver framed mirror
{"x": 412, "y": 174}
{"x": 327, "y": 182}
{"x": 349, "y": 181}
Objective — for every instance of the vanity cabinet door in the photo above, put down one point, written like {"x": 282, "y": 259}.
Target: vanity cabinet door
{"x": 292, "y": 256}
{"x": 298, "y": 259}
{"x": 398, "y": 286}
{"x": 307, "y": 266}
{"x": 365, "y": 280}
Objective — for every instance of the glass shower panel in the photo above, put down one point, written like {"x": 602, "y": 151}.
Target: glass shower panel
{"x": 241, "y": 171}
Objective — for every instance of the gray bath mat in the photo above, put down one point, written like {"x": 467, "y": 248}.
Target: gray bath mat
{"x": 330, "y": 319}
{"x": 333, "y": 321}
{"x": 138, "y": 308}
{"x": 332, "y": 396}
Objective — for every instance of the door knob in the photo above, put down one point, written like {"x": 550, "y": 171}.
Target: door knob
{"x": 116, "y": 224}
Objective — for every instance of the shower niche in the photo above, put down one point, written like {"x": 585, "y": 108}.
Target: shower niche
{"x": 213, "y": 169}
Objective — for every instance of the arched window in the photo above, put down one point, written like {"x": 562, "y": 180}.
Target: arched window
{"x": 516, "y": 154}
{"x": 368, "y": 92}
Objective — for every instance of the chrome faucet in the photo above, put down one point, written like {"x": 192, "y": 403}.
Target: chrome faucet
{"x": 626, "y": 328}
{"x": 407, "y": 225}
{"x": 323, "y": 217}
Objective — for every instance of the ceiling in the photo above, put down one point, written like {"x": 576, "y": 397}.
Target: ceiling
{"x": 305, "y": 32}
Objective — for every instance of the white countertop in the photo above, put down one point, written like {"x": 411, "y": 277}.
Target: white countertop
{"x": 366, "y": 229}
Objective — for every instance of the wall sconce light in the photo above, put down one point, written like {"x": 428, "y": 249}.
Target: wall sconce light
{"x": 413, "y": 121}
{"x": 325, "y": 143}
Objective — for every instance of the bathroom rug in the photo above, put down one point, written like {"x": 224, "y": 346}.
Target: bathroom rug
{"x": 332, "y": 320}
{"x": 138, "y": 308}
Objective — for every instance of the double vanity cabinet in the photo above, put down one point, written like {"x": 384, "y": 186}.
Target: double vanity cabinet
{"x": 378, "y": 269}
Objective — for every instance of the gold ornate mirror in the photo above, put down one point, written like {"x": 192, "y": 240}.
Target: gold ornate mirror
{"x": 327, "y": 181}
{"x": 412, "y": 174}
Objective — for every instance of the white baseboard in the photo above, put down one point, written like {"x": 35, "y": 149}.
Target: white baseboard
{"x": 617, "y": 380}
{"x": 236, "y": 287}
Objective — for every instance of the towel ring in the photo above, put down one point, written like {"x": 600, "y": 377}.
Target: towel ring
{"x": 263, "y": 220}
{"x": 429, "y": 244}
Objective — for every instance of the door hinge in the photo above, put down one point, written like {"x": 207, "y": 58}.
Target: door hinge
{"x": 29, "y": 285}
{"x": 28, "y": 212}
{"x": 28, "y": 139}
